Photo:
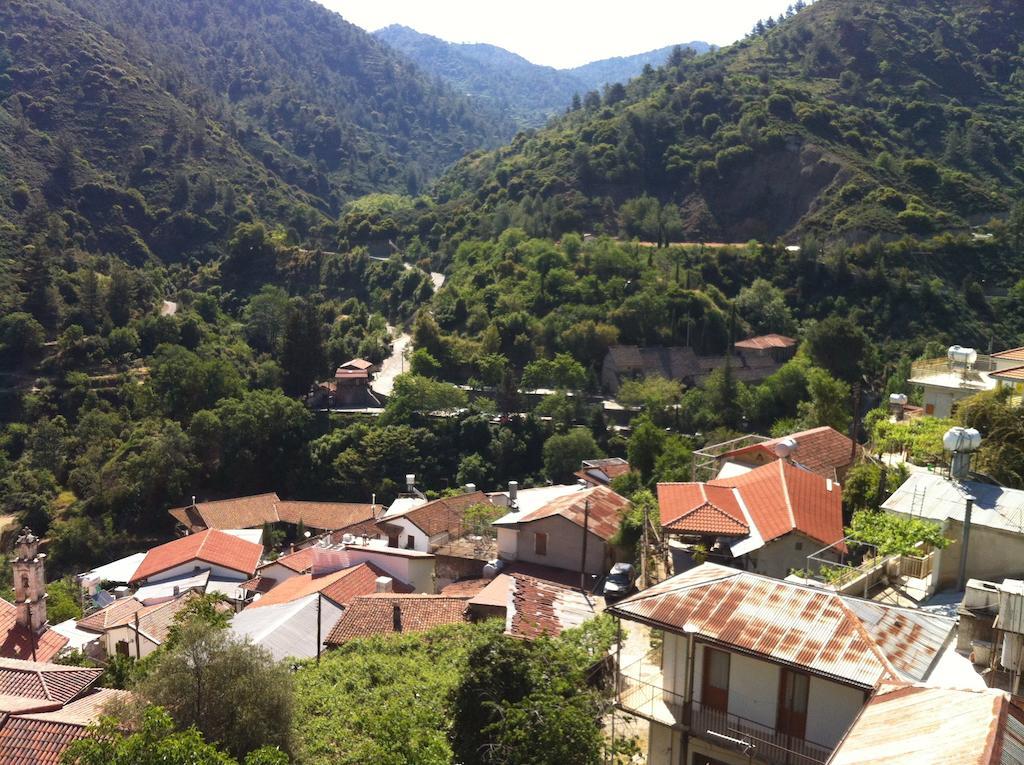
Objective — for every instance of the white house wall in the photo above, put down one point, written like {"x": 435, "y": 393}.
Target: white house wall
{"x": 508, "y": 543}
{"x": 113, "y": 636}
{"x": 420, "y": 541}
{"x": 780, "y": 556}
{"x": 190, "y": 568}
{"x": 754, "y": 689}
{"x": 830, "y": 710}
{"x": 416, "y": 571}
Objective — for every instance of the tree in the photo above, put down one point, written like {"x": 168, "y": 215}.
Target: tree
{"x": 155, "y": 743}
{"x": 565, "y": 452}
{"x": 645, "y": 446}
{"x": 119, "y": 297}
{"x": 302, "y": 351}
{"x": 413, "y": 394}
{"x": 21, "y": 338}
{"x": 656, "y": 394}
{"x": 423, "y": 364}
{"x": 562, "y": 372}
{"x": 181, "y": 383}
{"x": 838, "y": 346}
{"x": 895, "y": 534}
{"x": 265, "y": 317}
{"x": 829, "y": 403}
{"x": 233, "y": 692}
{"x": 763, "y": 306}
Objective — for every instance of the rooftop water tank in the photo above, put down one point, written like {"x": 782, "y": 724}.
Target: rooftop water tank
{"x": 898, "y": 399}
{"x": 959, "y": 439}
{"x": 785, "y": 447}
{"x": 962, "y": 356}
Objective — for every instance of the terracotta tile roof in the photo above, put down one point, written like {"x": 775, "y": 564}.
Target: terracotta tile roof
{"x": 764, "y": 342}
{"x": 155, "y": 621}
{"x": 299, "y": 561}
{"x": 327, "y": 516}
{"x": 373, "y": 615}
{"x": 238, "y": 513}
{"x": 51, "y": 685}
{"x": 606, "y": 507}
{"x": 778, "y": 498}
{"x": 261, "y": 584}
{"x": 210, "y": 546}
{"x": 115, "y": 612}
{"x": 601, "y": 472}
{"x": 443, "y": 515}
{"x": 855, "y": 641}
{"x": 1013, "y": 354}
{"x": 708, "y": 519}
{"x": 84, "y": 710}
{"x": 16, "y": 641}
{"x": 467, "y": 588}
{"x": 24, "y": 741}
{"x": 340, "y": 587}
{"x": 361, "y": 364}
{"x": 537, "y": 607}
{"x": 821, "y": 450}
{"x": 905, "y": 723}
{"x": 1013, "y": 373}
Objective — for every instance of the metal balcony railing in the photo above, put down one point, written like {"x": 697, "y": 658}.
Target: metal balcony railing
{"x": 638, "y": 695}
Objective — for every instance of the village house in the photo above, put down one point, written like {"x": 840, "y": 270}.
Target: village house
{"x": 227, "y": 558}
{"x": 135, "y": 632}
{"x": 767, "y": 520}
{"x": 572, "y": 533}
{"x": 428, "y": 526}
{"x": 823, "y": 450}
{"x": 778, "y": 348}
{"x": 44, "y": 708}
{"x": 995, "y": 548}
{"x": 260, "y": 510}
{"x": 631, "y": 362}
{"x": 349, "y": 389}
{"x": 390, "y": 614}
{"x": 964, "y": 372}
{"x": 753, "y": 669}
{"x": 601, "y": 472}
{"x": 531, "y": 607}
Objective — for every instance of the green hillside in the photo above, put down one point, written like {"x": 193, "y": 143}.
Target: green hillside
{"x": 847, "y": 119}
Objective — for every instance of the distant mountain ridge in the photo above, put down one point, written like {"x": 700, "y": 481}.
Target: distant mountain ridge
{"x": 526, "y": 93}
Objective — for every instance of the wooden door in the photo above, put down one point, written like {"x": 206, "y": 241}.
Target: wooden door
{"x": 715, "y": 686}
{"x": 793, "y": 689}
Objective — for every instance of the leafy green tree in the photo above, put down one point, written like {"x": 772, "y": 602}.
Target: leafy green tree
{"x": 119, "y": 296}
{"x": 265, "y": 317}
{"x": 561, "y": 372}
{"x": 423, "y": 364}
{"x": 829, "y": 402}
{"x": 302, "y": 352}
{"x": 763, "y": 306}
{"x": 838, "y": 346}
{"x": 564, "y": 452}
{"x": 645, "y": 446}
{"x": 232, "y": 692}
{"x": 657, "y": 394}
{"x": 674, "y": 462}
{"x": 21, "y": 338}
{"x": 420, "y": 395}
{"x": 181, "y": 382}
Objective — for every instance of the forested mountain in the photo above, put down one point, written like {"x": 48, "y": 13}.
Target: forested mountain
{"x": 845, "y": 119}
{"x": 157, "y": 127}
{"x": 527, "y": 93}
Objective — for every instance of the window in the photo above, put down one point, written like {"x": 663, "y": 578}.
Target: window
{"x": 540, "y": 544}
{"x": 929, "y": 408}
{"x": 715, "y": 689}
{"x": 799, "y": 545}
{"x": 392, "y": 540}
{"x": 793, "y": 690}
{"x": 410, "y": 542}
{"x": 121, "y": 648}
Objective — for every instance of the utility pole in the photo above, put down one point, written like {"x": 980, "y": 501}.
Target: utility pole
{"x": 643, "y": 551}
{"x": 583, "y": 558}
{"x": 961, "y": 580}
{"x": 319, "y": 642}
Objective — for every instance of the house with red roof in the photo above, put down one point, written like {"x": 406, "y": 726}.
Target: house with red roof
{"x": 226, "y": 556}
{"x": 390, "y": 614}
{"x": 767, "y": 520}
{"x": 566, "y": 532}
{"x": 823, "y": 450}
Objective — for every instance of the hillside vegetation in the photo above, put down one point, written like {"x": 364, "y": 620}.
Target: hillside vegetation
{"x": 526, "y": 93}
{"x": 844, "y": 120}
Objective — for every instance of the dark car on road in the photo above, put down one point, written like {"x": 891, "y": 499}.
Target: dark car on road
{"x": 620, "y": 582}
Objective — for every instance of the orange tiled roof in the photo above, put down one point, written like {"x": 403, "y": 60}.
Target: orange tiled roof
{"x": 605, "y": 513}
{"x": 236, "y": 513}
{"x": 84, "y": 710}
{"x": 327, "y": 516}
{"x": 341, "y": 587}
{"x": 764, "y": 342}
{"x": 709, "y": 519}
{"x": 116, "y": 612}
{"x": 16, "y": 641}
{"x": 155, "y": 621}
{"x": 1013, "y": 354}
{"x": 822, "y": 450}
{"x": 443, "y": 514}
{"x": 210, "y": 546}
{"x": 373, "y": 615}
{"x": 467, "y": 588}
{"x": 779, "y": 498}
{"x": 299, "y": 561}
{"x": 46, "y": 686}
{"x": 1013, "y": 373}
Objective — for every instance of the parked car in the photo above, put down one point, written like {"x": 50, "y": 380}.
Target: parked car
{"x": 620, "y": 582}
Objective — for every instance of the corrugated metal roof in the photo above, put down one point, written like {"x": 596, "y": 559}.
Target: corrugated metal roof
{"x": 928, "y": 495}
{"x": 906, "y": 724}
{"x": 287, "y": 629}
{"x": 836, "y": 636}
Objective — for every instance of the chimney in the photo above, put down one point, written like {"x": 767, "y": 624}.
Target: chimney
{"x": 29, "y": 582}
{"x": 193, "y": 500}
{"x": 396, "y": 617}
{"x": 410, "y": 482}
{"x": 384, "y": 584}
{"x": 177, "y": 590}
{"x": 513, "y": 493}
{"x": 470, "y": 488}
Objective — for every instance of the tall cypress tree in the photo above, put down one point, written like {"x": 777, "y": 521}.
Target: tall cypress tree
{"x": 302, "y": 352}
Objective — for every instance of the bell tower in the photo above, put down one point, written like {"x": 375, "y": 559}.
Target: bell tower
{"x": 29, "y": 582}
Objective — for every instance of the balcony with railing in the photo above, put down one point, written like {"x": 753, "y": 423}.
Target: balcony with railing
{"x": 641, "y": 691}
{"x": 942, "y": 372}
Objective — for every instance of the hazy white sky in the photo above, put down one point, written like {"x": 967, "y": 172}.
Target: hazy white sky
{"x": 566, "y": 33}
